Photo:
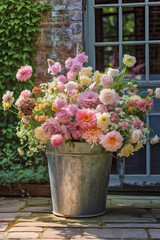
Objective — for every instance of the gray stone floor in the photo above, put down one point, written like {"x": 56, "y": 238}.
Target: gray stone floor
{"x": 128, "y": 217}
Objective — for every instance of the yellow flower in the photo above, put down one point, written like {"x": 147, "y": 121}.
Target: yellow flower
{"x": 138, "y": 146}
{"x": 129, "y": 61}
{"x": 41, "y": 106}
{"x": 85, "y": 80}
{"x": 54, "y": 107}
{"x": 103, "y": 120}
{"x": 130, "y": 109}
{"x": 96, "y": 77}
{"x": 6, "y": 105}
{"x": 86, "y": 71}
{"x": 127, "y": 150}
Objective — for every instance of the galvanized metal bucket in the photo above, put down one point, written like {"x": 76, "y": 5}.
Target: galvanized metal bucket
{"x": 79, "y": 179}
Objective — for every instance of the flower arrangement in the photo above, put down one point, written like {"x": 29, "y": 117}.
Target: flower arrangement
{"x": 93, "y": 107}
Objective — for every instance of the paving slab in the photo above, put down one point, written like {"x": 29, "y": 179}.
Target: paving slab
{"x": 26, "y": 229}
{"x": 11, "y": 216}
{"x": 34, "y": 201}
{"x": 133, "y": 225}
{"x": 3, "y": 235}
{"x": 3, "y": 226}
{"x": 127, "y": 218}
{"x": 40, "y": 209}
{"x": 154, "y": 233}
{"x": 115, "y": 233}
{"x": 22, "y": 235}
{"x": 62, "y": 233}
{"x": 40, "y": 224}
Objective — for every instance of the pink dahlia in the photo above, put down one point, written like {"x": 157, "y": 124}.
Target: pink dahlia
{"x": 124, "y": 125}
{"x": 137, "y": 123}
{"x": 75, "y": 130}
{"x": 112, "y": 141}
{"x": 57, "y": 140}
{"x": 86, "y": 118}
{"x": 24, "y": 73}
{"x": 50, "y": 127}
{"x": 91, "y": 135}
{"x": 142, "y": 105}
{"x": 25, "y": 94}
{"x": 60, "y": 103}
{"x": 64, "y": 115}
{"x": 61, "y": 87}
{"x": 62, "y": 78}
{"x": 70, "y": 76}
{"x": 114, "y": 117}
{"x": 82, "y": 58}
{"x": 88, "y": 99}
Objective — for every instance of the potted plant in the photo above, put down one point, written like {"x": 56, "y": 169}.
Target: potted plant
{"x": 82, "y": 118}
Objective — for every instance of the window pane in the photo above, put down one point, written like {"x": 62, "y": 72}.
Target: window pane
{"x": 138, "y": 71}
{"x": 132, "y": 1}
{"x": 155, "y": 153}
{"x": 106, "y": 56}
{"x": 154, "y": 0}
{"x": 106, "y": 1}
{"x": 154, "y": 59}
{"x": 136, "y": 164}
{"x": 133, "y": 23}
{"x": 106, "y": 24}
{"x": 154, "y": 23}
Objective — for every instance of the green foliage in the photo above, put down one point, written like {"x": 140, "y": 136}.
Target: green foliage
{"x": 19, "y": 22}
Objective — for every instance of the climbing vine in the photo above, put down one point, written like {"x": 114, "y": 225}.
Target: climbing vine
{"x": 19, "y": 25}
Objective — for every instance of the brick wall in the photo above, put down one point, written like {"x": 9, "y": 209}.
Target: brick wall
{"x": 61, "y": 30}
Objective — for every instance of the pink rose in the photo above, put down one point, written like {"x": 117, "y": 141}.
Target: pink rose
{"x": 57, "y": 140}
{"x": 106, "y": 80}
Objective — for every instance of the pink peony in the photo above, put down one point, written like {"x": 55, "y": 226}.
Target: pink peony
{"x": 50, "y": 127}
{"x": 24, "y": 73}
{"x": 106, "y": 80}
{"x": 64, "y": 115}
{"x": 136, "y": 135}
{"x": 57, "y": 140}
{"x": 71, "y": 86}
{"x": 154, "y": 140}
{"x": 137, "y": 123}
{"x": 86, "y": 118}
{"x": 76, "y": 67}
{"x": 150, "y": 103}
{"x": 142, "y": 105}
{"x": 62, "y": 78}
{"x": 107, "y": 96}
{"x": 75, "y": 130}
{"x": 64, "y": 132}
{"x": 114, "y": 117}
{"x": 117, "y": 98}
{"x": 25, "y": 94}
{"x": 112, "y": 141}
{"x": 88, "y": 99}
{"x": 101, "y": 108}
{"x": 157, "y": 93}
{"x": 124, "y": 125}
{"x": 54, "y": 67}
{"x": 69, "y": 62}
{"x": 60, "y": 103}
{"x": 91, "y": 135}
{"x": 82, "y": 58}
{"x": 73, "y": 109}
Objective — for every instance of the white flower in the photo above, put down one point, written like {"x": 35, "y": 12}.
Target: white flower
{"x": 136, "y": 135}
{"x": 154, "y": 140}
{"x": 129, "y": 61}
{"x": 107, "y": 96}
{"x": 113, "y": 72}
{"x": 8, "y": 98}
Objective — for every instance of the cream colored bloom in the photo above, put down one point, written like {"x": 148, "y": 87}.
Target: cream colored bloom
{"x": 113, "y": 72}
{"x": 135, "y": 97}
{"x": 127, "y": 150}
{"x": 129, "y": 61}
{"x": 87, "y": 71}
{"x": 138, "y": 146}
{"x": 85, "y": 80}
{"x": 39, "y": 135}
{"x": 103, "y": 120}
{"x": 96, "y": 77}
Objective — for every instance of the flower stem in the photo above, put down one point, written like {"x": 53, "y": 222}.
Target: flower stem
{"x": 13, "y": 112}
{"x": 31, "y": 83}
{"x": 15, "y": 107}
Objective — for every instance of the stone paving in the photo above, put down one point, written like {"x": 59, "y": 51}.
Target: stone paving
{"x": 128, "y": 217}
